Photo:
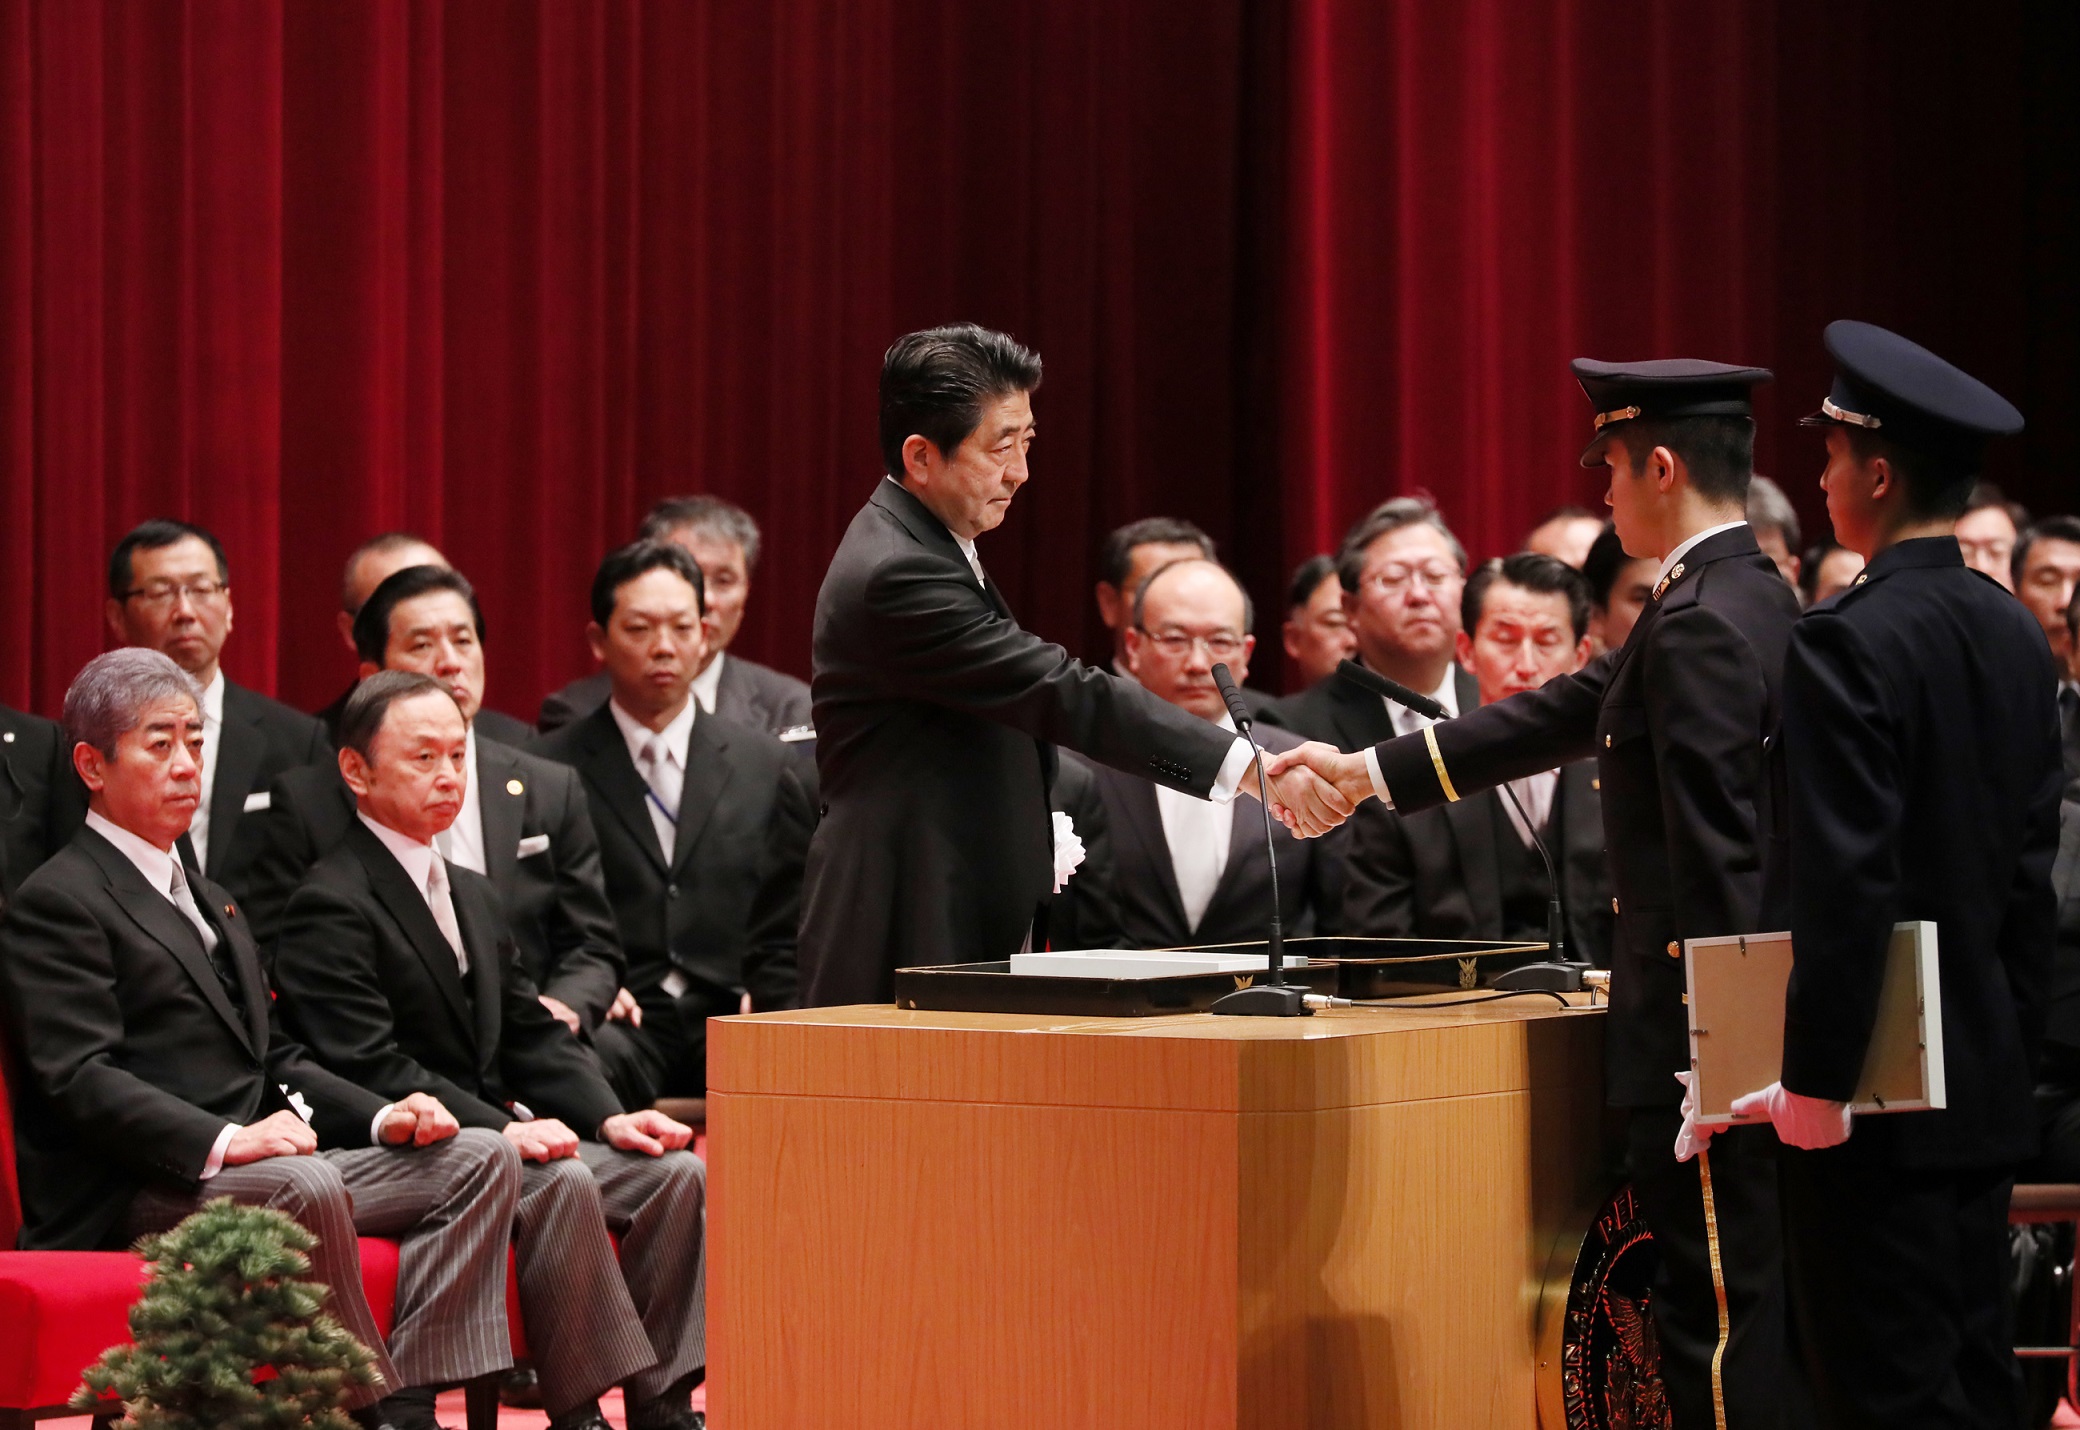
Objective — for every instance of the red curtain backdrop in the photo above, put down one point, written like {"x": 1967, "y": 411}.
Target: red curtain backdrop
{"x": 506, "y": 274}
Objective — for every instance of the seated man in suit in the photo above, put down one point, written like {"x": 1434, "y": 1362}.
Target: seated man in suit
{"x": 169, "y": 589}
{"x": 1469, "y": 869}
{"x": 1402, "y": 571}
{"x": 524, "y": 823}
{"x": 369, "y": 565}
{"x": 42, "y": 801}
{"x": 723, "y": 541}
{"x": 703, "y": 827}
{"x": 1182, "y": 870}
{"x": 399, "y": 971}
{"x": 159, "y": 1077}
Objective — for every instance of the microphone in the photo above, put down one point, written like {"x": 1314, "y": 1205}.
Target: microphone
{"x": 1559, "y": 970}
{"x": 1275, "y": 998}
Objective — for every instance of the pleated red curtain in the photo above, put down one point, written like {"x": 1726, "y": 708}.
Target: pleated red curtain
{"x": 504, "y": 274}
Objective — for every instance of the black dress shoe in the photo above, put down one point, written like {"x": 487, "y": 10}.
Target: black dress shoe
{"x": 520, "y": 1388}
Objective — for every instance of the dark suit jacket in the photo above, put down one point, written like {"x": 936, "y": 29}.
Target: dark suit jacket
{"x": 1921, "y": 751}
{"x": 554, "y": 899}
{"x": 1433, "y": 873}
{"x": 724, "y": 910}
{"x": 128, "y": 1055}
{"x": 1141, "y": 880}
{"x": 1085, "y": 912}
{"x": 1678, "y": 718}
{"x": 1337, "y": 712}
{"x": 42, "y": 802}
{"x": 748, "y": 694}
{"x": 366, "y": 976}
{"x": 936, "y": 722}
{"x": 261, "y": 738}
{"x": 2062, "y": 1026}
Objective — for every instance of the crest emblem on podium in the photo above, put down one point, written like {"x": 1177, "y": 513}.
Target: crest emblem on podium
{"x": 1599, "y": 1359}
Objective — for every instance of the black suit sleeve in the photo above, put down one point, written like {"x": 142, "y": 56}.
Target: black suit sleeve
{"x": 65, "y": 800}
{"x": 940, "y": 642}
{"x": 586, "y": 964}
{"x": 60, "y": 977}
{"x": 1379, "y": 883}
{"x": 770, "y": 971}
{"x": 543, "y": 1064}
{"x": 325, "y": 961}
{"x": 1526, "y": 734}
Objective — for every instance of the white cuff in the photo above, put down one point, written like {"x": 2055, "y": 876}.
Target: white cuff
{"x": 215, "y": 1164}
{"x": 375, "y": 1127}
{"x": 1232, "y": 770}
{"x": 1379, "y": 781}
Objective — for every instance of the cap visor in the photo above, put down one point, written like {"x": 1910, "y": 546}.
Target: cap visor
{"x": 1592, "y": 455}
{"x": 1817, "y": 419}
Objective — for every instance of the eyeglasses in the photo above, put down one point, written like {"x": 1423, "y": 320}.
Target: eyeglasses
{"x": 167, "y": 593}
{"x": 1399, "y": 578}
{"x": 1177, "y": 645}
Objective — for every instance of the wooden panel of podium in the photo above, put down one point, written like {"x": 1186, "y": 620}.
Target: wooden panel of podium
{"x": 930, "y": 1221}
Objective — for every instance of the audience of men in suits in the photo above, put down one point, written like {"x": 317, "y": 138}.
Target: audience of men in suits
{"x": 1174, "y": 869}
{"x": 2046, "y": 569}
{"x": 703, "y": 827}
{"x": 169, "y": 590}
{"x": 1775, "y": 523}
{"x": 1565, "y": 533}
{"x": 1619, "y": 588}
{"x": 1471, "y": 869}
{"x": 524, "y": 822}
{"x": 397, "y": 968}
{"x": 153, "y": 1072}
{"x": 1317, "y": 631}
{"x": 1988, "y": 531}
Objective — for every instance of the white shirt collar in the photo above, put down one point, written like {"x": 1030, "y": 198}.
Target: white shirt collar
{"x": 966, "y": 545}
{"x": 637, "y": 734}
{"x": 708, "y": 684}
{"x": 1669, "y": 564}
{"x": 417, "y": 858}
{"x": 153, "y": 862}
{"x": 213, "y": 699}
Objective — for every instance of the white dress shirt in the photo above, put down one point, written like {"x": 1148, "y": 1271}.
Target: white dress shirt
{"x": 423, "y": 866}
{"x": 164, "y": 873}
{"x": 212, "y": 742}
{"x": 708, "y": 683}
{"x": 1535, "y": 793}
{"x": 463, "y": 841}
{"x": 672, "y": 742}
{"x": 1198, "y": 833}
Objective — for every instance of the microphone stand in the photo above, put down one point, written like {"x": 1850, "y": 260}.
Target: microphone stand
{"x": 1274, "y": 998}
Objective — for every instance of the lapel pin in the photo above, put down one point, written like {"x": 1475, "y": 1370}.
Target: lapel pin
{"x": 515, "y": 787}
{"x": 230, "y": 912}
{"x": 9, "y": 737}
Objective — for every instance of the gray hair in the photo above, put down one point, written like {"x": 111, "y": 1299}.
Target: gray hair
{"x": 709, "y": 516}
{"x": 112, "y": 692}
{"x": 1770, "y": 510}
{"x": 1389, "y": 516}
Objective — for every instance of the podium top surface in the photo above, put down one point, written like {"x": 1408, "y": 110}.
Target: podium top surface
{"x": 1192, "y": 1061}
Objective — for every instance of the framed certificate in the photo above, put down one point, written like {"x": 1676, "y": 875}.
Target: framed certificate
{"x": 1736, "y": 1006}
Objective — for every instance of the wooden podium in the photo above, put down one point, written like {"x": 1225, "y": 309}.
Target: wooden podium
{"x": 970, "y": 1221}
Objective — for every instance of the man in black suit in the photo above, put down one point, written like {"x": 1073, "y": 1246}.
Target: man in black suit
{"x": 1402, "y": 572}
{"x": 1130, "y": 555}
{"x": 702, "y": 824}
{"x": 723, "y": 540}
{"x": 524, "y": 823}
{"x": 369, "y": 565}
{"x": 1179, "y": 870}
{"x": 1677, "y": 718}
{"x": 400, "y": 972}
{"x": 937, "y": 716}
{"x": 1470, "y": 870}
{"x": 169, "y": 589}
{"x": 42, "y": 801}
{"x": 1920, "y": 748}
{"x": 157, "y": 1075}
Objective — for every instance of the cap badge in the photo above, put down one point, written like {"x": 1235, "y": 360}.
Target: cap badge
{"x": 1843, "y": 414}
{"x": 1622, "y": 414}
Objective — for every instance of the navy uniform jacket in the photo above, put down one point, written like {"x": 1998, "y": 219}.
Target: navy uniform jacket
{"x": 1921, "y": 752}
{"x": 936, "y": 722}
{"x": 1677, "y": 719}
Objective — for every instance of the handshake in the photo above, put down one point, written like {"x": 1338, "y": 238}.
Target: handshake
{"x": 1314, "y": 787}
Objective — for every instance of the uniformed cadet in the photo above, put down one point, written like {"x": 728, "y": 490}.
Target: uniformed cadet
{"x": 1677, "y": 718}
{"x": 1920, "y": 743}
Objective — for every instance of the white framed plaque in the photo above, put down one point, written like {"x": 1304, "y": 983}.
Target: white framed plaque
{"x": 1736, "y": 987}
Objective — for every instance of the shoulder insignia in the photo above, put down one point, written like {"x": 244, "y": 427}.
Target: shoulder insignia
{"x": 1674, "y": 575}
{"x": 795, "y": 734}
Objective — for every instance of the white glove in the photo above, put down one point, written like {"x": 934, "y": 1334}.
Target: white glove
{"x": 1807, "y": 1122}
{"x": 1068, "y": 850}
{"x": 1691, "y": 1139}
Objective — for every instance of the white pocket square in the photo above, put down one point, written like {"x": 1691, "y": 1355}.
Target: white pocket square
{"x": 532, "y": 845}
{"x": 257, "y": 802}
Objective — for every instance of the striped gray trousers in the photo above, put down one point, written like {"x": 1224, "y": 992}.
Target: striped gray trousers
{"x": 451, "y": 1207}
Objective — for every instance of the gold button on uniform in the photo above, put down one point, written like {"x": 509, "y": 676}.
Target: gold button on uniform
{"x": 1614, "y": 905}
{"x": 1675, "y": 950}
{"x": 515, "y": 787}
{"x": 1606, "y": 742}
{"x": 1595, "y": 784}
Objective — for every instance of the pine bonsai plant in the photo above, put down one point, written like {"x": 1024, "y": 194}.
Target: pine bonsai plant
{"x": 228, "y": 1335}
